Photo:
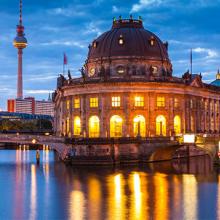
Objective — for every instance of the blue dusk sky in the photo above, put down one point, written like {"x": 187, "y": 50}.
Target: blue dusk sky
{"x": 56, "y": 26}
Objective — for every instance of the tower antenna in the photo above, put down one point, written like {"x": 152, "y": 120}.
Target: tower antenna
{"x": 20, "y": 15}
{"x": 191, "y": 64}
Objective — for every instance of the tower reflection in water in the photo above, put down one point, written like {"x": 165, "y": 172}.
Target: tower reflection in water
{"x": 26, "y": 174}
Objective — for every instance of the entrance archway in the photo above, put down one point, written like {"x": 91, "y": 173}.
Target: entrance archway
{"x": 161, "y": 125}
{"x": 94, "y": 126}
{"x": 116, "y": 126}
{"x": 177, "y": 124}
{"x": 139, "y": 126}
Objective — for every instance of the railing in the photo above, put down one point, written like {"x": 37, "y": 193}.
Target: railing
{"x": 121, "y": 140}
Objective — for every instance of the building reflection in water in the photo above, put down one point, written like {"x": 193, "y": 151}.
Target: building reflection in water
{"x": 129, "y": 193}
{"x": 19, "y": 197}
{"x": 33, "y": 193}
{"x": 176, "y": 198}
{"x": 46, "y": 164}
{"x": 77, "y": 201}
{"x": 138, "y": 187}
{"x": 190, "y": 197}
{"x": 94, "y": 198}
{"x": 116, "y": 198}
{"x": 161, "y": 209}
{"x": 218, "y": 198}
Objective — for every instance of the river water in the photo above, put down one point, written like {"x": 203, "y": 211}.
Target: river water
{"x": 182, "y": 189}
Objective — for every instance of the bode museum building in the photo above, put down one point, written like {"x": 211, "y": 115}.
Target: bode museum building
{"x": 127, "y": 89}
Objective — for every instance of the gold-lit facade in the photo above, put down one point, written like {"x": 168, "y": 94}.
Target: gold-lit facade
{"x": 127, "y": 90}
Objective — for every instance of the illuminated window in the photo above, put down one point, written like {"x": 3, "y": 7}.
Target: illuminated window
{"x": 95, "y": 44}
{"x": 120, "y": 70}
{"x": 121, "y": 40}
{"x": 139, "y": 101}
{"x": 161, "y": 125}
{"x": 139, "y": 126}
{"x": 94, "y": 102}
{"x": 177, "y": 124}
{"x": 160, "y": 101}
{"x": 76, "y": 103}
{"x": 152, "y": 41}
{"x": 77, "y": 125}
{"x": 176, "y": 103}
{"x": 115, "y": 126}
{"x": 116, "y": 101}
{"x": 67, "y": 104}
{"x": 94, "y": 126}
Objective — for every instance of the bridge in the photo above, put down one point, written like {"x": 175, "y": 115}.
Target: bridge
{"x": 84, "y": 151}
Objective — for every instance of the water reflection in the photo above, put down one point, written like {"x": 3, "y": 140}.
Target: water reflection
{"x": 33, "y": 193}
{"x": 218, "y": 200}
{"x": 77, "y": 200}
{"x": 161, "y": 197}
{"x": 190, "y": 197}
{"x": 55, "y": 191}
{"x": 116, "y": 202}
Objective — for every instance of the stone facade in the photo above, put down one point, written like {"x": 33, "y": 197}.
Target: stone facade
{"x": 198, "y": 108}
{"x": 125, "y": 95}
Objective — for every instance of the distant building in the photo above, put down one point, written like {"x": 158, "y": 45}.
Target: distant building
{"x": 44, "y": 108}
{"x": 11, "y": 105}
{"x": 31, "y": 106}
{"x": 26, "y": 105}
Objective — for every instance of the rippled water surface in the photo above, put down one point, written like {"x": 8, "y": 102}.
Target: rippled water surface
{"x": 186, "y": 189}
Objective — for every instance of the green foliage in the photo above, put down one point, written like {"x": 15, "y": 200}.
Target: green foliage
{"x": 25, "y": 125}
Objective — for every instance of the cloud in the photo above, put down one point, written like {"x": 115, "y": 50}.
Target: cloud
{"x": 64, "y": 43}
{"x": 44, "y": 78}
{"x": 115, "y": 9}
{"x": 38, "y": 91}
{"x": 67, "y": 12}
{"x": 210, "y": 53}
{"x": 145, "y": 3}
{"x": 92, "y": 28}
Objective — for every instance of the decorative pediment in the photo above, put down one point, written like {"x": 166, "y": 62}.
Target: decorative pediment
{"x": 197, "y": 82}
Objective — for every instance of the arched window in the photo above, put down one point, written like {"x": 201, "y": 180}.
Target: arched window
{"x": 161, "y": 125}
{"x": 177, "y": 124}
{"x": 94, "y": 126}
{"x": 139, "y": 126}
{"x": 116, "y": 126}
{"x": 76, "y": 125}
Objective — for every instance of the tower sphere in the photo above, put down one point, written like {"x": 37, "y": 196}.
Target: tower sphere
{"x": 20, "y": 41}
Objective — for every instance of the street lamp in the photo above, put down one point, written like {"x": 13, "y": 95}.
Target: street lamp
{"x": 34, "y": 141}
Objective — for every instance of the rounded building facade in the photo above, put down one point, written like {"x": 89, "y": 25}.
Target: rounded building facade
{"x": 127, "y": 90}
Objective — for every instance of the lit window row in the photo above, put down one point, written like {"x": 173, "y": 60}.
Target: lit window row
{"x": 116, "y": 102}
{"x": 116, "y": 126}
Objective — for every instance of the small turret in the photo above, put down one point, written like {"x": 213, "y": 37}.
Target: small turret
{"x": 218, "y": 75}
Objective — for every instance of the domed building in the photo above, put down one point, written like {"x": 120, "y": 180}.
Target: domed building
{"x": 127, "y": 90}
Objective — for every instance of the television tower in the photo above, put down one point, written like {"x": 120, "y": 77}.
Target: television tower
{"x": 20, "y": 42}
